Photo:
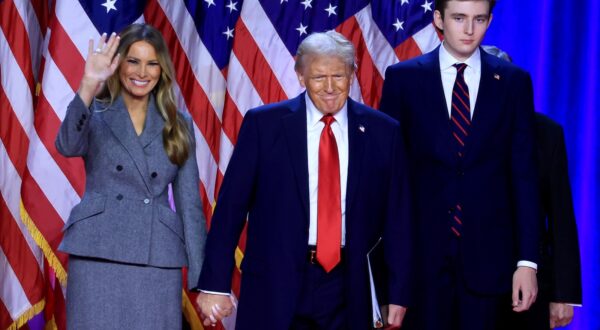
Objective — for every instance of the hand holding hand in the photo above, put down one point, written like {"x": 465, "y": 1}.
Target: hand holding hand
{"x": 214, "y": 307}
{"x": 99, "y": 65}
{"x": 525, "y": 284}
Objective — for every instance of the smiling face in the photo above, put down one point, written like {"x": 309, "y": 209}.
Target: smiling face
{"x": 139, "y": 71}
{"x": 327, "y": 80}
{"x": 464, "y": 25}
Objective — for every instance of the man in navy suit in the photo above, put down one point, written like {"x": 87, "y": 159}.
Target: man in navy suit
{"x": 559, "y": 274}
{"x": 321, "y": 179}
{"x": 468, "y": 125}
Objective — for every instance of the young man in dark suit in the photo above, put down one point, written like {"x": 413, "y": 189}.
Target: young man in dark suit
{"x": 321, "y": 178}
{"x": 467, "y": 122}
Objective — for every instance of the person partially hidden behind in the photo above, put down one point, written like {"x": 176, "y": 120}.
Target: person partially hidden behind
{"x": 559, "y": 270}
{"x": 468, "y": 124}
{"x": 126, "y": 246}
{"x": 321, "y": 178}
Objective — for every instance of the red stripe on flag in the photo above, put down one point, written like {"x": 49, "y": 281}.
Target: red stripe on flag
{"x": 47, "y": 125}
{"x": 12, "y": 135}
{"x": 232, "y": 119}
{"x": 43, "y": 214}
{"x": 256, "y": 66}
{"x": 19, "y": 255}
{"x": 5, "y": 319}
{"x": 368, "y": 76}
{"x": 66, "y": 55}
{"x": 407, "y": 50}
{"x": 195, "y": 97}
{"x": 14, "y": 30}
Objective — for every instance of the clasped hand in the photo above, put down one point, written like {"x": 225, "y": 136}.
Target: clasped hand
{"x": 214, "y": 307}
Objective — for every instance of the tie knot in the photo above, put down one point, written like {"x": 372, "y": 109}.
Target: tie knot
{"x": 460, "y": 67}
{"x": 328, "y": 119}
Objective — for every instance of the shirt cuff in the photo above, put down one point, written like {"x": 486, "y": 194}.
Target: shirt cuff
{"x": 214, "y": 292}
{"x": 525, "y": 263}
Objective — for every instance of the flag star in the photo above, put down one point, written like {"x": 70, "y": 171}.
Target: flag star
{"x": 404, "y": 2}
{"x": 306, "y": 4}
{"x": 228, "y": 33}
{"x": 398, "y": 25}
{"x": 331, "y": 10}
{"x": 302, "y": 29}
{"x": 210, "y": 2}
{"x": 231, "y": 6}
{"x": 110, "y": 4}
{"x": 427, "y": 6}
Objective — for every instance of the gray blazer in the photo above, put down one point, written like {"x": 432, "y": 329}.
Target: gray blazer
{"x": 124, "y": 214}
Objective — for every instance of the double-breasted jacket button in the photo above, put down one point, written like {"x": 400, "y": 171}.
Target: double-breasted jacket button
{"x": 119, "y": 168}
{"x": 154, "y": 175}
{"x": 146, "y": 201}
{"x": 83, "y": 116}
{"x": 80, "y": 121}
{"x": 119, "y": 197}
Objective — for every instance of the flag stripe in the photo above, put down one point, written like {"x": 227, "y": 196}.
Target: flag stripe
{"x": 14, "y": 31}
{"x": 18, "y": 254}
{"x": 367, "y": 73}
{"x": 250, "y": 57}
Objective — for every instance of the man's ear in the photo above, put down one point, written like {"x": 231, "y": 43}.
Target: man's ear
{"x": 301, "y": 79}
{"x": 438, "y": 20}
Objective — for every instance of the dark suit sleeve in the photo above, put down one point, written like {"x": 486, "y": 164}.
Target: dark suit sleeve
{"x": 523, "y": 169}
{"x": 188, "y": 205}
{"x": 566, "y": 267}
{"x": 397, "y": 235}
{"x": 233, "y": 204}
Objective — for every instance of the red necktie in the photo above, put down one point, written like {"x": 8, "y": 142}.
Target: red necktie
{"x": 329, "y": 211}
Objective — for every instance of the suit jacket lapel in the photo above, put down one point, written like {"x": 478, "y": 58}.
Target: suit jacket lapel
{"x": 486, "y": 109}
{"x": 295, "y": 132}
{"x": 117, "y": 119}
{"x": 357, "y": 134}
{"x": 153, "y": 126}
{"x": 439, "y": 118}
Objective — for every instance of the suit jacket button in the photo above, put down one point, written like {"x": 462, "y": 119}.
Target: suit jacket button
{"x": 80, "y": 121}
{"x": 119, "y": 197}
{"x": 119, "y": 168}
{"x": 146, "y": 201}
{"x": 83, "y": 116}
{"x": 78, "y": 128}
{"x": 153, "y": 175}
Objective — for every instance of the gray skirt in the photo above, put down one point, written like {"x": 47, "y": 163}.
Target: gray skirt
{"x": 102, "y": 294}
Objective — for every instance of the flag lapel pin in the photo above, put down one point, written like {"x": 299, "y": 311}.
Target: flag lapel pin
{"x": 496, "y": 76}
{"x": 361, "y": 128}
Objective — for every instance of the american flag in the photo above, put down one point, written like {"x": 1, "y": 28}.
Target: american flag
{"x": 229, "y": 56}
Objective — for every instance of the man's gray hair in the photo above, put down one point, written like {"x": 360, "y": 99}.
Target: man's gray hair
{"x": 493, "y": 50}
{"x": 330, "y": 43}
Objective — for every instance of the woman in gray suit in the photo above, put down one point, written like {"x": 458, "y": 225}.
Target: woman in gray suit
{"x": 126, "y": 246}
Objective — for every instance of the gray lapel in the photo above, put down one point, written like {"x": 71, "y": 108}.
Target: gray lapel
{"x": 117, "y": 119}
{"x": 154, "y": 124}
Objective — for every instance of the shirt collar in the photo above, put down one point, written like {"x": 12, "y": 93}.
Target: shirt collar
{"x": 313, "y": 115}
{"x": 447, "y": 60}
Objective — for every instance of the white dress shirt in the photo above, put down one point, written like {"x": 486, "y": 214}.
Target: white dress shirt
{"x": 472, "y": 77}
{"x": 314, "y": 127}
